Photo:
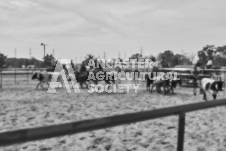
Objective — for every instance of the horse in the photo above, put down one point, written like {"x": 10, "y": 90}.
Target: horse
{"x": 107, "y": 76}
{"x": 82, "y": 78}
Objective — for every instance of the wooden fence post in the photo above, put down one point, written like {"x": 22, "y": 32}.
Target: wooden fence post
{"x": 27, "y": 75}
{"x": 181, "y": 127}
{"x": 224, "y": 83}
{"x": 1, "y": 78}
{"x": 15, "y": 76}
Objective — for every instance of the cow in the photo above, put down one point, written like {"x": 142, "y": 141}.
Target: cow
{"x": 173, "y": 82}
{"x": 168, "y": 83}
{"x": 212, "y": 86}
{"x": 45, "y": 78}
{"x": 42, "y": 77}
{"x": 136, "y": 76}
{"x": 149, "y": 80}
{"x": 161, "y": 82}
{"x": 150, "y": 77}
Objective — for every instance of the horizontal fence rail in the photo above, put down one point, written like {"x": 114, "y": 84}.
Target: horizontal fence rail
{"x": 17, "y": 76}
{"x": 31, "y": 134}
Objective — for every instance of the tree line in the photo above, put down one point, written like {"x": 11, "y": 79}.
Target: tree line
{"x": 19, "y": 62}
{"x": 216, "y": 53}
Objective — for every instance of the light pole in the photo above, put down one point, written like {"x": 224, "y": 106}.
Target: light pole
{"x": 44, "y": 46}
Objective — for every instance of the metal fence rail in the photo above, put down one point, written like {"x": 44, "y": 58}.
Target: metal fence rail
{"x": 17, "y": 76}
{"x": 26, "y": 135}
{"x": 0, "y": 78}
{"x": 20, "y": 76}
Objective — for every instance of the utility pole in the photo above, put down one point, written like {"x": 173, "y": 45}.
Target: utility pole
{"x": 44, "y": 46}
{"x": 53, "y": 53}
{"x": 15, "y": 57}
{"x": 119, "y": 55}
{"x": 15, "y": 52}
{"x": 30, "y": 52}
{"x": 104, "y": 55}
{"x": 141, "y": 51}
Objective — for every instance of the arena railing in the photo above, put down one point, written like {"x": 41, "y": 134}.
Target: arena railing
{"x": 0, "y": 78}
{"x": 32, "y": 134}
{"x": 15, "y": 72}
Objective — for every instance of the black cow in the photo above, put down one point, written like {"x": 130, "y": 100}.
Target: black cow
{"x": 168, "y": 83}
{"x": 149, "y": 80}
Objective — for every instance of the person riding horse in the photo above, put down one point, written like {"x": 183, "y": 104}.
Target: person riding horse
{"x": 195, "y": 77}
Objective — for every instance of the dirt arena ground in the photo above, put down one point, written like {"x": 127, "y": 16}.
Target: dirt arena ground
{"x": 25, "y": 107}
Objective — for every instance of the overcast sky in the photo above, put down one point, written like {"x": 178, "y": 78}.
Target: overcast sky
{"x": 74, "y": 28}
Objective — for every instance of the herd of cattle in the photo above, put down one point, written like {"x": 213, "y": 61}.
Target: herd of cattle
{"x": 167, "y": 84}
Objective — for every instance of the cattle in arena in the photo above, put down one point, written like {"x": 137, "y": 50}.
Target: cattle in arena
{"x": 150, "y": 77}
{"x": 212, "y": 86}
{"x": 42, "y": 77}
{"x": 160, "y": 82}
{"x": 136, "y": 76}
{"x": 168, "y": 83}
{"x": 45, "y": 78}
{"x": 174, "y": 82}
{"x": 149, "y": 80}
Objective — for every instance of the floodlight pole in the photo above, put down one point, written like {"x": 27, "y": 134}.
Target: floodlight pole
{"x": 44, "y": 46}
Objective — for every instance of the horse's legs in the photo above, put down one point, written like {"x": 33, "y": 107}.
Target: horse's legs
{"x": 152, "y": 87}
{"x": 159, "y": 89}
{"x": 47, "y": 84}
{"x": 172, "y": 90}
{"x": 164, "y": 87}
{"x": 87, "y": 84}
{"x": 204, "y": 96}
{"x": 38, "y": 85}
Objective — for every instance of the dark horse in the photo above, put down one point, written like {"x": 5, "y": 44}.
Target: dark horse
{"x": 82, "y": 77}
{"x": 98, "y": 74}
{"x": 168, "y": 84}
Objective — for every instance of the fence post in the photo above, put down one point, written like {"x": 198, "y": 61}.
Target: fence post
{"x": 15, "y": 75}
{"x": 1, "y": 78}
{"x": 181, "y": 127}
{"x": 224, "y": 83}
{"x": 27, "y": 76}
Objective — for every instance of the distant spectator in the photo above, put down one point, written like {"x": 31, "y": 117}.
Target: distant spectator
{"x": 209, "y": 64}
{"x": 163, "y": 63}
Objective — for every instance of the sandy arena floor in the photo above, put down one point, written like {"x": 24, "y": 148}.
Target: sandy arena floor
{"x": 25, "y": 107}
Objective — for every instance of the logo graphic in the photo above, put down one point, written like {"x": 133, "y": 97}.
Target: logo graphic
{"x": 64, "y": 75}
{"x": 59, "y": 76}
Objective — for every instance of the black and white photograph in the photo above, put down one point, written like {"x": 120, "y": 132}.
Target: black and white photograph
{"x": 112, "y": 75}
